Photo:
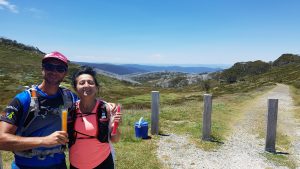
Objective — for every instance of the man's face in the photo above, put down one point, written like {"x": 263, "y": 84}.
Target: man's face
{"x": 54, "y": 71}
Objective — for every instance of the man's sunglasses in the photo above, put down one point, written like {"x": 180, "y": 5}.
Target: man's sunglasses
{"x": 52, "y": 68}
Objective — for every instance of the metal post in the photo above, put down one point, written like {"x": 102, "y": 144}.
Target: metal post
{"x": 206, "y": 129}
{"x": 155, "y": 113}
{"x": 271, "y": 126}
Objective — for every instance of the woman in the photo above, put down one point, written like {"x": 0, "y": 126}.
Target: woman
{"x": 89, "y": 127}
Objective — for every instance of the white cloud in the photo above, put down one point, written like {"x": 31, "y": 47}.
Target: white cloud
{"x": 157, "y": 57}
{"x": 95, "y": 58}
{"x": 5, "y": 4}
{"x": 36, "y": 12}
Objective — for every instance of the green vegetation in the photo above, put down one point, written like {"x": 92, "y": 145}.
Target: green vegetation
{"x": 296, "y": 98}
{"x": 286, "y": 59}
{"x": 239, "y": 70}
{"x": 18, "y": 68}
{"x": 280, "y": 159}
{"x": 285, "y": 69}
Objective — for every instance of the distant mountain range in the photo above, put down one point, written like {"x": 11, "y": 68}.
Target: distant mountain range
{"x": 246, "y": 75}
{"x": 125, "y": 69}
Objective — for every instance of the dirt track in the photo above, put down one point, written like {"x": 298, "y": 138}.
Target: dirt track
{"x": 243, "y": 149}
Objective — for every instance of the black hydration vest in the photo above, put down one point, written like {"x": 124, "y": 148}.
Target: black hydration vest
{"x": 34, "y": 110}
{"x": 102, "y": 120}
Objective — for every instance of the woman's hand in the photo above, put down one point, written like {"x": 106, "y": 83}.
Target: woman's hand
{"x": 116, "y": 120}
{"x": 112, "y": 108}
{"x": 118, "y": 117}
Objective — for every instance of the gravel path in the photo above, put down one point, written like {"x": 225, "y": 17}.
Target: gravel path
{"x": 242, "y": 149}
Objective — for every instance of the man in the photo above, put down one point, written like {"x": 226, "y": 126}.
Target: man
{"x": 31, "y": 124}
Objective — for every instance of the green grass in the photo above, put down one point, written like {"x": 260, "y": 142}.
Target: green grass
{"x": 280, "y": 160}
{"x": 283, "y": 143}
{"x": 138, "y": 154}
{"x": 296, "y": 98}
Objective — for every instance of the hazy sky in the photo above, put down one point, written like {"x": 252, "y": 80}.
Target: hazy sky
{"x": 156, "y": 31}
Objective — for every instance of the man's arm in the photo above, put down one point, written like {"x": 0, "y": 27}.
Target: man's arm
{"x": 11, "y": 142}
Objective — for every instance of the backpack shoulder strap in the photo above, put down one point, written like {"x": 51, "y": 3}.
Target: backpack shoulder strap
{"x": 31, "y": 107}
{"x": 71, "y": 125}
{"x": 69, "y": 98}
{"x": 101, "y": 106}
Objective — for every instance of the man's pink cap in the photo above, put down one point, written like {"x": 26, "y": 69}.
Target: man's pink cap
{"x": 56, "y": 55}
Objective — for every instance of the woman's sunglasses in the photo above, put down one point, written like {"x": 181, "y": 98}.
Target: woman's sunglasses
{"x": 52, "y": 68}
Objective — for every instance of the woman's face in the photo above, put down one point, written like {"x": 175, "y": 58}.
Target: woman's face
{"x": 86, "y": 86}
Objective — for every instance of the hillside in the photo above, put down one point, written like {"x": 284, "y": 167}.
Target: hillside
{"x": 19, "y": 67}
{"x": 286, "y": 59}
{"x": 169, "y": 79}
{"x": 285, "y": 69}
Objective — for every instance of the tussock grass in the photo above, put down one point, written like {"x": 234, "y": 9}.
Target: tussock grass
{"x": 280, "y": 160}
{"x": 138, "y": 154}
{"x": 281, "y": 157}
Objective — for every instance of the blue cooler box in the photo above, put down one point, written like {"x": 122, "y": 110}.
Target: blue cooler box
{"x": 141, "y": 129}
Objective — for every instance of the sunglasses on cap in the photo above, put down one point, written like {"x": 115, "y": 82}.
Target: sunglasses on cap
{"x": 52, "y": 68}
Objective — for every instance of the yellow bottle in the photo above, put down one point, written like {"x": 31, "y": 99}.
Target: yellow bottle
{"x": 64, "y": 115}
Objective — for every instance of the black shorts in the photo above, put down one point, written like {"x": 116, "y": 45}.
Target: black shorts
{"x": 108, "y": 163}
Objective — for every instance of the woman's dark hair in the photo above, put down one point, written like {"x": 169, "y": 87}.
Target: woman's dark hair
{"x": 84, "y": 70}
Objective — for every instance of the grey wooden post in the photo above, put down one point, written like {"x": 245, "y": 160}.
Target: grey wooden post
{"x": 1, "y": 161}
{"x": 155, "y": 113}
{"x": 271, "y": 126}
{"x": 206, "y": 123}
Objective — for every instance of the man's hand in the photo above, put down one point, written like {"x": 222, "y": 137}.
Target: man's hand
{"x": 11, "y": 142}
{"x": 56, "y": 138}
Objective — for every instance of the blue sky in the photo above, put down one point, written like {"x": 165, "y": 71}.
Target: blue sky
{"x": 156, "y": 31}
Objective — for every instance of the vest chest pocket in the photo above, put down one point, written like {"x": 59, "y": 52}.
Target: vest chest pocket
{"x": 103, "y": 130}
